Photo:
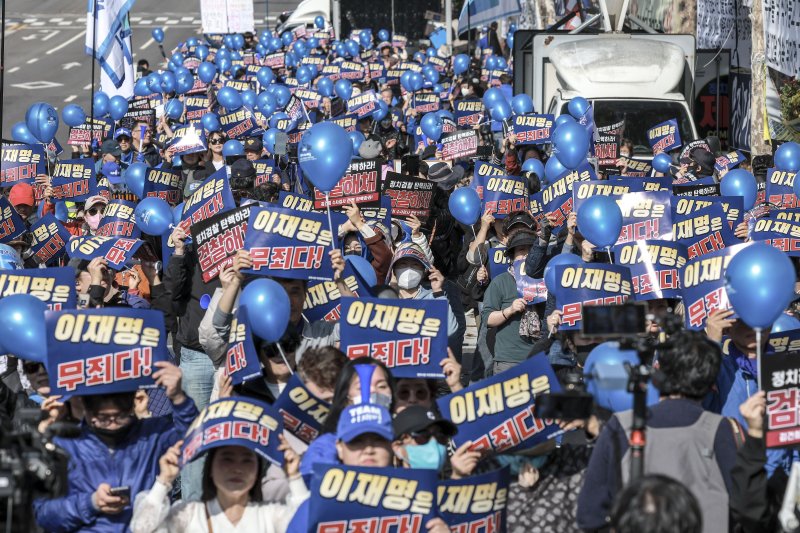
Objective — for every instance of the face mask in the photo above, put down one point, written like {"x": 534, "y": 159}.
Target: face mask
{"x": 352, "y": 252}
{"x": 112, "y": 436}
{"x": 466, "y": 92}
{"x": 428, "y": 456}
{"x": 93, "y": 221}
{"x": 408, "y": 277}
{"x": 376, "y": 398}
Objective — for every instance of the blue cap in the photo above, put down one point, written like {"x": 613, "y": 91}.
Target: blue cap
{"x": 112, "y": 171}
{"x": 361, "y": 419}
{"x": 122, "y": 131}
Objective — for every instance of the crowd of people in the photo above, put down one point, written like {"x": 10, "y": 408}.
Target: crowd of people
{"x": 150, "y": 459}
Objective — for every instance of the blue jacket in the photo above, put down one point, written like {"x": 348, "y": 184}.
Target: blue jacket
{"x": 134, "y": 464}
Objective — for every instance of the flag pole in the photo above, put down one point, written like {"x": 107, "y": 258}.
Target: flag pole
{"x": 94, "y": 60}
{"x": 2, "y": 68}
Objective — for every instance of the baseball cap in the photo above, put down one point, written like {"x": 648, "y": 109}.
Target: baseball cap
{"x": 242, "y": 168}
{"x": 22, "y": 194}
{"x": 110, "y": 146}
{"x": 416, "y": 418}
{"x": 122, "y": 131}
{"x": 357, "y": 420}
{"x": 444, "y": 176}
{"x": 254, "y": 144}
{"x": 370, "y": 149}
{"x": 112, "y": 171}
{"x": 94, "y": 200}
{"x": 523, "y": 238}
{"x": 409, "y": 250}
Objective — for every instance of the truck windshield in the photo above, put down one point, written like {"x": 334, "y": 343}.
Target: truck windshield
{"x": 639, "y": 116}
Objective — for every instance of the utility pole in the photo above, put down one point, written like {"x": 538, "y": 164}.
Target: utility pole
{"x": 758, "y": 146}
{"x": 448, "y": 22}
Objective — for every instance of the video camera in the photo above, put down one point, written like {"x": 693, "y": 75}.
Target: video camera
{"x": 31, "y": 466}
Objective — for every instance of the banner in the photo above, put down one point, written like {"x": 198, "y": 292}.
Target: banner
{"x": 298, "y": 202}
{"x": 187, "y": 140}
{"x": 360, "y": 184}
{"x": 655, "y": 267}
{"x": 729, "y": 161}
{"x": 533, "y": 128}
{"x": 498, "y": 261}
{"x": 476, "y": 503}
{"x": 782, "y": 234}
{"x": 310, "y": 98}
{"x": 240, "y": 124}
{"x": 462, "y": 143}
{"x": 323, "y": 298}
{"x": 235, "y": 421}
{"x": 165, "y": 184}
{"x": 699, "y": 187}
{"x": 11, "y": 224}
{"x": 468, "y": 112}
{"x": 784, "y": 341}
{"x": 137, "y": 115}
{"x": 210, "y": 198}
{"x": 779, "y": 188}
{"x": 295, "y": 110}
{"x": 217, "y": 240}
{"x": 424, "y": 103}
{"x": 55, "y": 286}
{"x": 634, "y": 168}
{"x": 703, "y": 286}
{"x": 409, "y": 336}
{"x": 533, "y": 291}
{"x": 21, "y": 163}
{"x": 74, "y": 179}
{"x": 196, "y": 106}
{"x": 496, "y": 413}
{"x": 410, "y": 195}
{"x": 302, "y": 412}
{"x": 49, "y": 239}
{"x": 119, "y": 220}
{"x": 289, "y": 244}
{"x": 557, "y": 197}
{"x": 482, "y": 171}
{"x": 358, "y": 498}
{"x": 704, "y": 231}
{"x": 590, "y": 284}
{"x": 732, "y": 205}
{"x": 363, "y": 105}
{"x": 103, "y": 351}
{"x": 781, "y": 382}
{"x": 116, "y": 250}
{"x": 241, "y": 360}
{"x": 84, "y": 134}
{"x": 266, "y": 172}
{"x": 503, "y": 195}
{"x": 645, "y": 215}
{"x": 664, "y": 137}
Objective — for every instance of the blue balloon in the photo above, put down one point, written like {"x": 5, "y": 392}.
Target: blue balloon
{"x": 184, "y": 81}
{"x": 211, "y": 122}
{"x": 465, "y": 205}
{"x": 232, "y": 148}
{"x": 173, "y": 109}
{"x": 134, "y": 178}
{"x": 269, "y": 139}
{"x": 785, "y": 323}
{"x": 417, "y": 81}
{"x": 224, "y": 65}
{"x": 249, "y": 98}
{"x": 206, "y": 72}
{"x": 238, "y": 41}
{"x": 42, "y": 121}
{"x": 287, "y": 38}
{"x": 276, "y": 118}
{"x": 446, "y": 113}
{"x": 787, "y": 157}
{"x": 140, "y": 88}
{"x": 535, "y": 166}
{"x": 357, "y": 138}
{"x": 343, "y": 89}
{"x": 282, "y": 95}
{"x": 437, "y": 88}
{"x": 383, "y": 35}
{"x": 153, "y": 216}
{"x": 571, "y": 144}
{"x": 100, "y": 104}
{"x": 608, "y": 360}
{"x": 268, "y": 308}
{"x": 154, "y": 82}
{"x": 501, "y": 110}
{"x": 460, "y": 64}
{"x": 177, "y": 213}
{"x": 430, "y": 52}
{"x": 325, "y": 86}
{"x": 20, "y": 133}
{"x": 553, "y": 170}
{"x": 561, "y": 120}
{"x": 265, "y": 76}
{"x": 600, "y": 221}
{"x": 419, "y": 57}
{"x": 522, "y": 104}
{"x": 492, "y": 97}
{"x": 319, "y": 22}
{"x": 578, "y": 107}
{"x": 229, "y": 98}
{"x": 276, "y": 44}
{"x": 158, "y": 35}
{"x": 201, "y": 52}
{"x": 759, "y": 281}
{"x": 73, "y": 115}
{"x": 431, "y": 74}
{"x": 562, "y": 259}
{"x": 364, "y": 269}
{"x": 22, "y": 328}
{"x": 266, "y": 103}
{"x": 117, "y": 107}
{"x": 303, "y": 75}
{"x": 739, "y": 182}
{"x": 223, "y": 53}
{"x": 432, "y": 125}
{"x": 177, "y": 58}
{"x": 324, "y": 152}
{"x": 662, "y": 162}
{"x": 352, "y": 47}
{"x": 405, "y": 80}
{"x": 313, "y": 43}
{"x": 380, "y": 111}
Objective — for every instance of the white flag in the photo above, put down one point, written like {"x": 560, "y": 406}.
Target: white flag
{"x": 112, "y": 44}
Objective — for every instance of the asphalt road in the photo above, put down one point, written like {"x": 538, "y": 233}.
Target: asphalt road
{"x": 45, "y": 59}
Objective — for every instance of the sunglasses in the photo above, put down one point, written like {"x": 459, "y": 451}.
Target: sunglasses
{"x": 93, "y": 211}
{"x": 32, "y": 368}
{"x": 423, "y": 437}
{"x": 215, "y": 141}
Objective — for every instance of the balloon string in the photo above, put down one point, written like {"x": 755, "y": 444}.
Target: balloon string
{"x": 283, "y": 356}
{"x": 758, "y": 356}
{"x": 478, "y": 248}
{"x": 330, "y": 222}
{"x": 608, "y": 251}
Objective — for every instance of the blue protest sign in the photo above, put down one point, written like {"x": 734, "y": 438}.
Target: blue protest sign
{"x": 496, "y": 413}
{"x": 785, "y": 341}
{"x": 240, "y": 124}
{"x": 295, "y": 110}
{"x": 196, "y": 106}
{"x": 217, "y": 239}
{"x": 426, "y": 103}
{"x": 645, "y": 215}
{"x": 361, "y": 184}
{"x": 164, "y": 183}
{"x": 74, "y": 179}
{"x": 116, "y": 250}
{"x": 119, "y": 220}
{"x": 211, "y": 197}
{"x": 350, "y": 70}
{"x": 558, "y": 196}
{"x": 187, "y": 140}
{"x": 729, "y": 161}
{"x": 266, "y": 172}
{"x": 635, "y": 168}
{"x": 310, "y": 98}
{"x": 53, "y": 286}
{"x": 589, "y": 284}
{"x": 49, "y": 239}
{"x": 468, "y": 112}
{"x": 782, "y": 234}
{"x": 241, "y": 360}
{"x": 21, "y": 163}
{"x": 732, "y": 205}
{"x": 482, "y": 172}
{"x": 323, "y": 298}
{"x": 655, "y": 267}
{"x": 475, "y": 503}
{"x": 289, "y": 244}
{"x": 533, "y": 291}
{"x": 664, "y": 137}
{"x": 704, "y": 231}
{"x": 298, "y": 202}
{"x": 498, "y": 261}
{"x": 303, "y": 413}
{"x": 358, "y": 498}
{"x": 363, "y": 105}
{"x": 703, "y": 285}
{"x": 409, "y": 336}
{"x": 779, "y": 188}
{"x": 103, "y": 351}
{"x": 237, "y": 421}
{"x": 533, "y": 128}
{"x": 503, "y": 195}
{"x": 11, "y": 224}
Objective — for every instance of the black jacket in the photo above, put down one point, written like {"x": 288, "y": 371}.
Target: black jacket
{"x": 183, "y": 280}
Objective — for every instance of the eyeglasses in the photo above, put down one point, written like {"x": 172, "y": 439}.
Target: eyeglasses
{"x": 32, "y": 368}
{"x": 93, "y": 211}
{"x": 215, "y": 141}
{"x": 423, "y": 437}
{"x": 107, "y": 420}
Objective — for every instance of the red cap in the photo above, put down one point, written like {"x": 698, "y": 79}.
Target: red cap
{"x": 22, "y": 194}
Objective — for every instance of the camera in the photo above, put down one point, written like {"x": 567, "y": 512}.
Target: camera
{"x": 614, "y": 321}
{"x": 572, "y": 404}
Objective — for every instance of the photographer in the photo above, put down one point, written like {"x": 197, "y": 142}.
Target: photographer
{"x": 680, "y": 438}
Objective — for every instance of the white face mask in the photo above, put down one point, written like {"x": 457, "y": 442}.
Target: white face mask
{"x": 466, "y": 91}
{"x": 408, "y": 277}
{"x": 93, "y": 220}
